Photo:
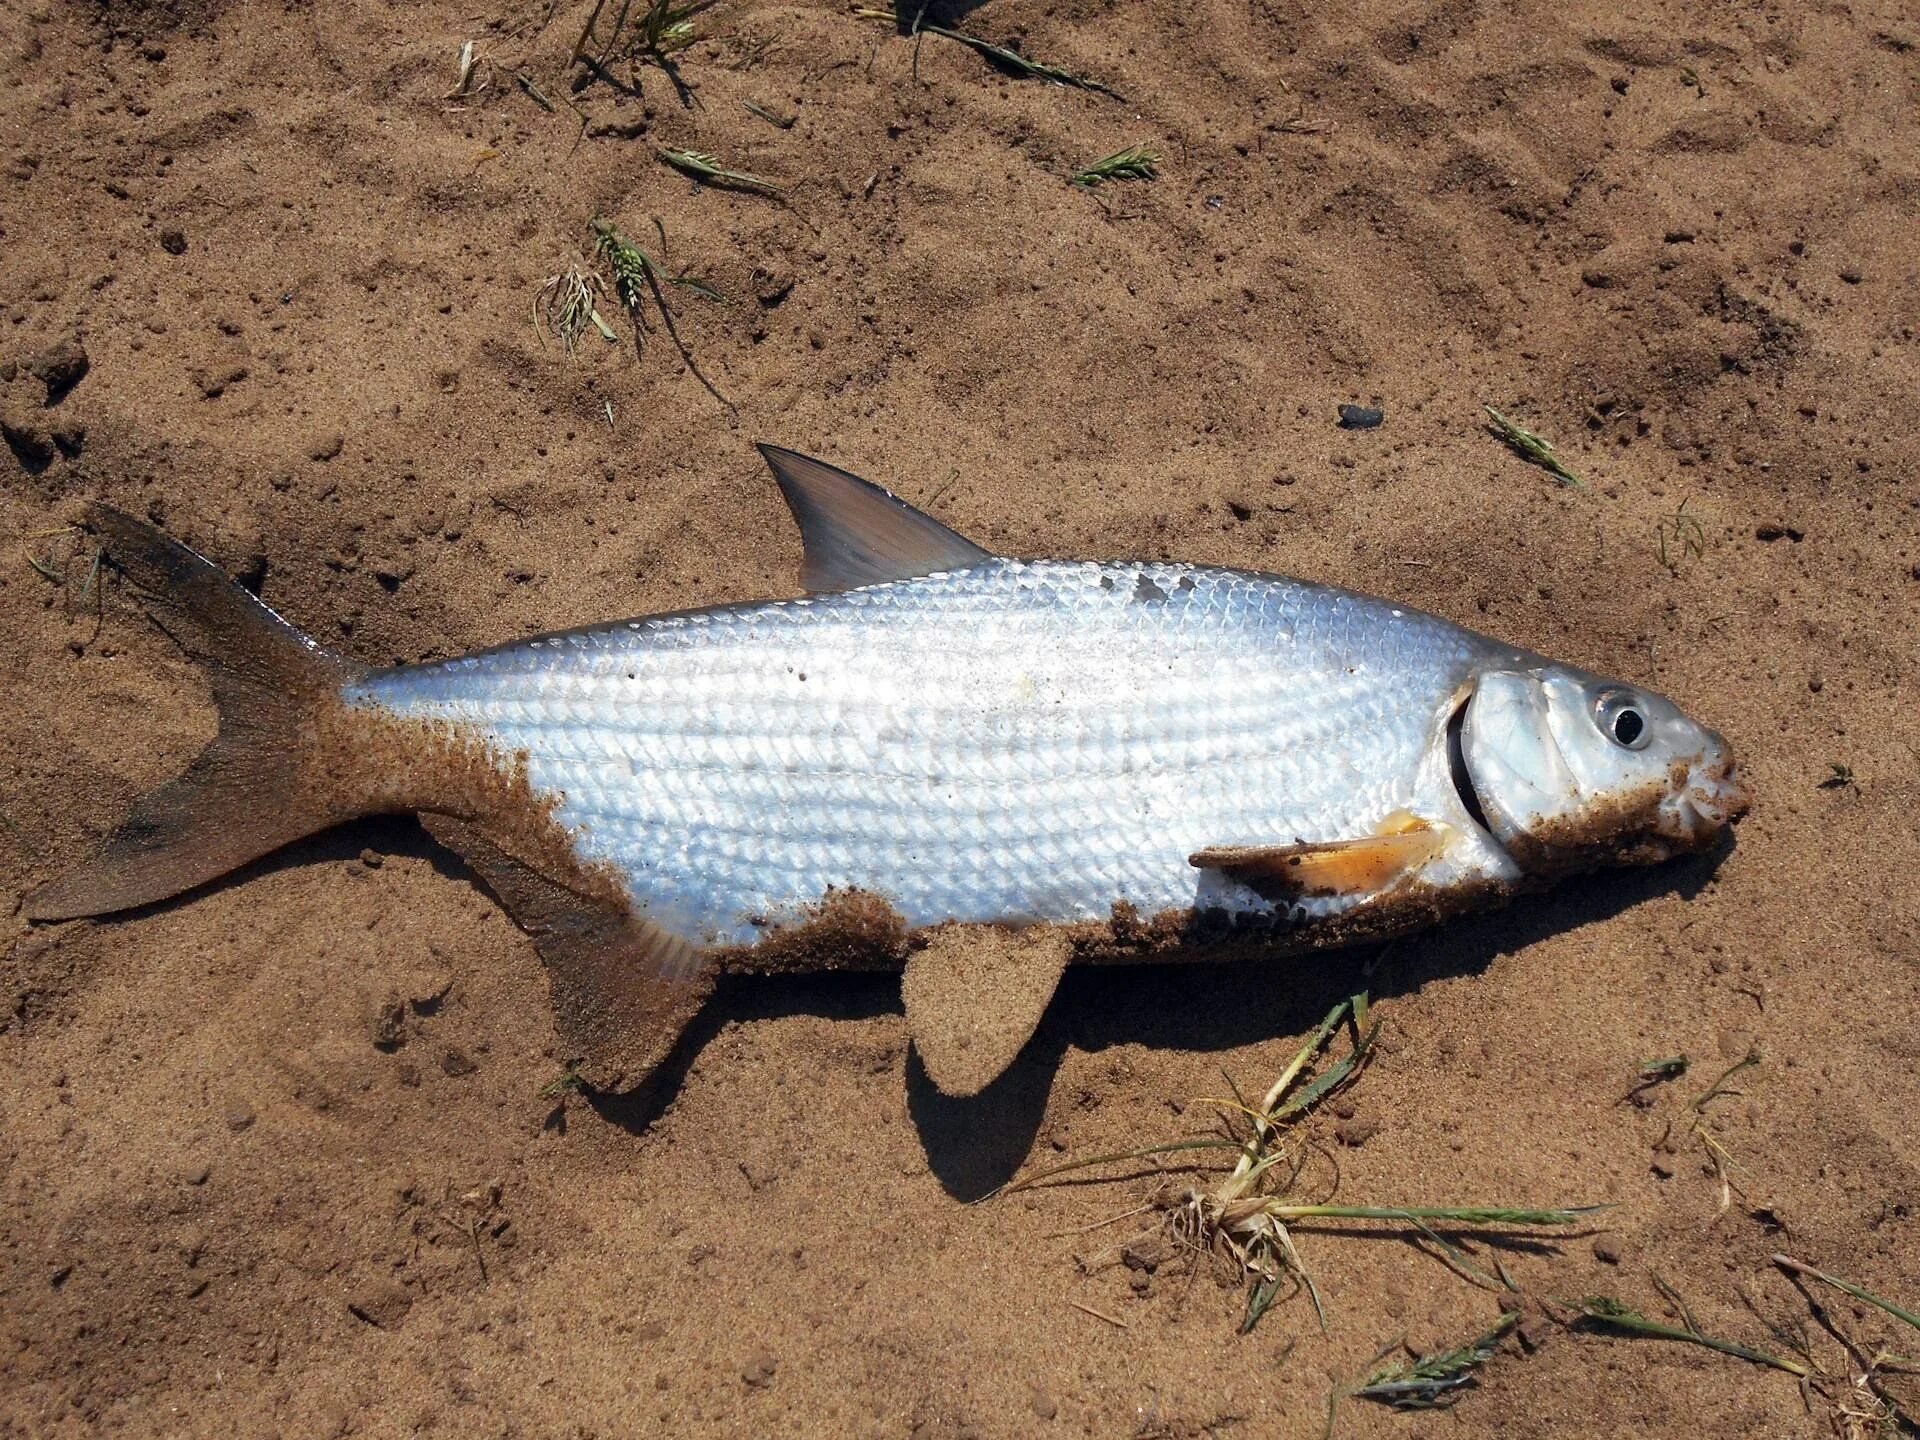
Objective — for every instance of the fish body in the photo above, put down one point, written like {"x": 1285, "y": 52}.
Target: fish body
{"x": 1018, "y": 742}
{"x": 976, "y": 767}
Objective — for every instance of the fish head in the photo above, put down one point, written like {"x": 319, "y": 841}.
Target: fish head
{"x": 1571, "y": 771}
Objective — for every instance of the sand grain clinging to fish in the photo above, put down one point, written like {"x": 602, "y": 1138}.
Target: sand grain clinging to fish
{"x": 976, "y": 767}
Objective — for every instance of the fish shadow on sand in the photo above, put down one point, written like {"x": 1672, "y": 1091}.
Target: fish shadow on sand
{"x": 977, "y": 1143}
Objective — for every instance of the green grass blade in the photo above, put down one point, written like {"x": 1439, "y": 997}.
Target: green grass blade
{"x": 703, "y": 167}
{"x": 1532, "y": 447}
{"x": 1433, "y": 1381}
{"x": 1462, "y": 1214}
{"x": 1605, "y": 1311}
{"x": 1800, "y": 1267}
{"x": 1136, "y": 162}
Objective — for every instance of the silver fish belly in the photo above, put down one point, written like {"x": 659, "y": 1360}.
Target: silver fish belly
{"x": 1019, "y": 741}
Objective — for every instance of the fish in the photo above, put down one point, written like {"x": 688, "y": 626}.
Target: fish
{"x": 976, "y": 768}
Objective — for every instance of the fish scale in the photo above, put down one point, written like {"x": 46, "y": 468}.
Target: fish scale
{"x": 1020, "y": 740}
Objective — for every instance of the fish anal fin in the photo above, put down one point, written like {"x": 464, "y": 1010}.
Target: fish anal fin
{"x": 974, "y": 996}
{"x": 1402, "y": 843}
{"x": 856, "y": 533}
{"x": 623, "y": 988}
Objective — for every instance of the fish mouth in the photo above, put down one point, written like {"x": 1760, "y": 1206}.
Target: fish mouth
{"x": 1710, "y": 798}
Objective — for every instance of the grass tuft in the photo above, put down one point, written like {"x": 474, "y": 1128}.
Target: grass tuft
{"x": 1531, "y": 447}
{"x": 567, "y": 305}
{"x": 1246, "y": 1216}
{"x": 637, "y": 278}
{"x": 568, "y": 1081}
{"x": 659, "y": 31}
{"x": 1136, "y": 162}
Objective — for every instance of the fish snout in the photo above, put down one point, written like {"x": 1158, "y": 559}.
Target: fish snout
{"x": 1711, "y": 796}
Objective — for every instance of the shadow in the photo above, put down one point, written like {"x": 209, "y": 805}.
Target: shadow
{"x": 836, "y": 995}
{"x": 386, "y": 836}
{"x": 977, "y": 1143}
{"x": 912, "y": 14}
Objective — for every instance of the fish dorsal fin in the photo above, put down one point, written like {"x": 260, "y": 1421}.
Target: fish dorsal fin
{"x": 974, "y": 996}
{"x": 857, "y": 534}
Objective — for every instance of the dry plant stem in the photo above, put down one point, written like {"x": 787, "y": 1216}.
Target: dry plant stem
{"x": 1266, "y": 1120}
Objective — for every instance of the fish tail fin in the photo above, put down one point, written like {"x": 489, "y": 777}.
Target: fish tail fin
{"x": 255, "y": 787}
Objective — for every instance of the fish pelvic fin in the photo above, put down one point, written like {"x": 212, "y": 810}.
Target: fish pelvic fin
{"x": 622, "y": 987}
{"x": 855, "y": 533}
{"x": 974, "y": 995}
{"x": 259, "y": 784}
{"x": 1402, "y": 844}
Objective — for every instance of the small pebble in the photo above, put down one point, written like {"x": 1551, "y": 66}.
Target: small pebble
{"x": 1606, "y": 1248}
{"x": 1356, "y": 1132}
{"x": 1361, "y": 417}
{"x": 173, "y": 240}
{"x": 60, "y": 366}
{"x": 759, "y": 1369}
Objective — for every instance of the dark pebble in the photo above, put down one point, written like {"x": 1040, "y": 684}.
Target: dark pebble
{"x": 60, "y": 366}
{"x": 173, "y": 240}
{"x": 1357, "y": 1132}
{"x": 1361, "y": 417}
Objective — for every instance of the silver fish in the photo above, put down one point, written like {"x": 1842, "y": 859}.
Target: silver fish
{"x": 976, "y": 767}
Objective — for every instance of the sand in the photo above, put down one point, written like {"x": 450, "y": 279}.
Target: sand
{"x": 279, "y": 1159}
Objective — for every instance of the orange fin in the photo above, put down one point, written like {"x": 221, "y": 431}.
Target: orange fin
{"x": 857, "y": 534}
{"x": 623, "y": 988}
{"x": 255, "y": 787}
{"x": 1402, "y": 845}
{"x": 974, "y": 996}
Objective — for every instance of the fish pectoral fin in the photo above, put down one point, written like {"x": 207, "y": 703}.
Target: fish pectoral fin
{"x": 974, "y": 996}
{"x": 1403, "y": 843}
{"x": 622, "y": 988}
{"x": 854, "y": 533}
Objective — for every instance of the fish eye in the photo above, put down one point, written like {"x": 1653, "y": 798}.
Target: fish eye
{"x": 1623, "y": 720}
